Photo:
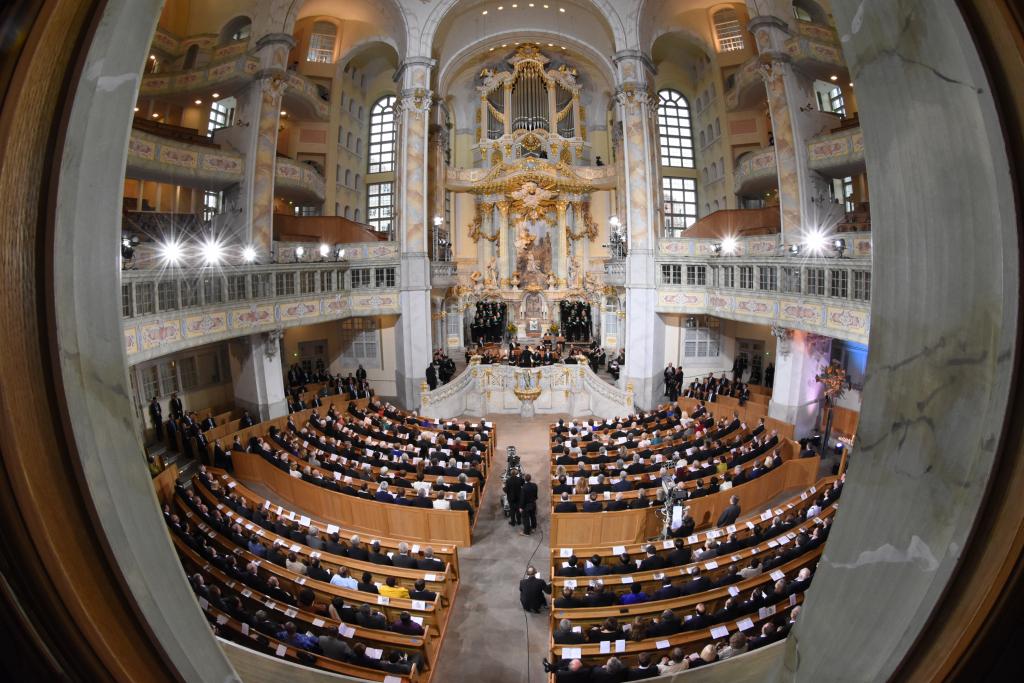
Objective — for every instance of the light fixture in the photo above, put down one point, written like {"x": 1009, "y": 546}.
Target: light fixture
{"x": 438, "y": 221}
{"x": 815, "y": 242}
{"x": 716, "y": 248}
{"x": 839, "y": 245}
{"x": 249, "y": 254}
{"x": 833, "y": 77}
{"x": 794, "y": 249}
{"x": 341, "y": 254}
{"x": 136, "y": 108}
{"x": 504, "y": 44}
{"x": 531, "y": 4}
{"x": 545, "y": 6}
{"x": 484, "y": 12}
{"x": 300, "y": 252}
{"x": 491, "y": 50}
{"x": 614, "y": 221}
{"x": 729, "y": 245}
{"x": 152, "y": 56}
{"x": 212, "y": 252}
{"x": 199, "y": 101}
{"x": 551, "y": 44}
{"x": 156, "y": 116}
{"x": 170, "y": 252}
{"x": 284, "y": 113}
{"x": 851, "y": 84}
{"x": 561, "y": 9}
{"x": 324, "y": 250}
{"x": 501, "y": 7}
{"x": 215, "y": 95}
{"x": 514, "y": 5}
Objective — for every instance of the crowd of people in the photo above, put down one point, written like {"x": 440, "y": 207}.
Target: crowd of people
{"x": 576, "y": 323}
{"x": 489, "y": 322}
{"x": 441, "y": 369}
{"x": 711, "y": 387}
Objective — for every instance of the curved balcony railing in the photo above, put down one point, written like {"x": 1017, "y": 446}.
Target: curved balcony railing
{"x": 756, "y": 172}
{"x": 152, "y": 157}
{"x": 762, "y": 283}
{"x": 170, "y": 310}
{"x": 299, "y": 181}
{"x": 839, "y": 154}
{"x": 444, "y": 274}
{"x": 615, "y": 272}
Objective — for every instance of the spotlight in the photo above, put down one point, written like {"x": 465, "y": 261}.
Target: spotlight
{"x": 212, "y": 251}
{"x": 299, "y": 252}
{"x": 815, "y": 242}
{"x": 284, "y": 113}
{"x": 215, "y": 95}
{"x": 729, "y": 245}
{"x": 324, "y": 250}
{"x": 438, "y": 221}
{"x": 614, "y": 221}
{"x": 794, "y": 249}
{"x": 249, "y": 254}
{"x": 156, "y": 116}
{"x": 136, "y": 109}
{"x": 839, "y": 245}
{"x": 199, "y": 101}
{"x": 341, "y": 254}
{"x": 833, "y": 77}
{"x": 127, "y": 249}
{"x": 716, "y": 248}
{"x": 171, "y": 252}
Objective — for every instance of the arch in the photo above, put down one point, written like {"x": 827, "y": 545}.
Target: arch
{"x": 383, "y": 133}
{"x": 348, "y": 212}
{"x": 361, "y": 112}
{"x": 356, "y": 215}
{"x": 703, "y": 139}
{"x": 675, "y": 137}
{"x": 348, "y": 178}
{"x": 359, "y": 145}
{"x": 359, "y": 181}
{"x": 348, "y": 140}
{"x": 190, "y": 57}
{"x": 811, "y": 10}
{"x": 714, "y": 206}
{"x": 718, "y": 127}
{"x": 714, "y": 171}
{"x": 239, "y": 28}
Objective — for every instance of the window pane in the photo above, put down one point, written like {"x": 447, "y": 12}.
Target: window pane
{"x": 674, "y": 129}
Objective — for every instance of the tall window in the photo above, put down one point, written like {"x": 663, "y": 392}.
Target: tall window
{"x": 211, "y": 204}
{"x": 680, "y": 204}
{"x": 728, "y": 30}
{"x": 838, "y": 283}
{"x": 702, "y": 341}
{"x": 848, "y": 194}
{"x": 696, "y": 276}
{"x": 321, "y": 43}
{"x": 862, "y": 285}
{"x": 816, "y": 281}
{"x": 360, "y": 342}
{"x": 791, "y": 279}
{"x": 221, "y": 115}
{"x": 671, "y": 274}
{"x": 382, "y": 135}
{"x": 379, "y": 202}
{"x": 746, "y": 277}
{"x": 767, "y": 278}
{"x": 674, "y": 133}
{"x": 835, "y": 101}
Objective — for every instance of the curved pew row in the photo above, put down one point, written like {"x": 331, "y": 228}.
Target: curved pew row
{"x": 634, "y": 526}
{"x": 441, "y": 580}
{"x": 321, "y": 625}
{"x": 420, "y": 525}
{"x": 228, "y": 486}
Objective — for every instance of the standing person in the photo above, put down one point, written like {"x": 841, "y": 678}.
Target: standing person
{"x": 432, "y": 376}
{"x": 156, "y": 416}
{"x": 528, "y": 505}
{"x": 360, "y": 373}
{"x": 769, "y": 375}
{"x": 513, "y": 492}
{"x": 177, "y": 412}
{"x": 532, "y": 590}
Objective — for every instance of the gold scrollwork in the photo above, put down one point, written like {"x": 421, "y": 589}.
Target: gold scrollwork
{"x": 475, "y": 233}
{"x": 589, "y": 229}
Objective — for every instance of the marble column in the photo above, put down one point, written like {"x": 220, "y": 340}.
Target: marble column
{"x": 257, "y": 375}
{"x": 644, "y": 332}
{"x": 260, "y": 115}
{"x": 795, "y": 119}
{"x": 413, "y": 333}
{"x": 562, "y": 262}
{"x": 504, "y": 255}
{"x": 796, "y": 395}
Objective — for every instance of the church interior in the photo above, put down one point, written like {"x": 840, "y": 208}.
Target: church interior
{"x": 420, "y": 341}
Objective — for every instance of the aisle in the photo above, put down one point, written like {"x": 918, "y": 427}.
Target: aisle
{"x": 488, "y": 638}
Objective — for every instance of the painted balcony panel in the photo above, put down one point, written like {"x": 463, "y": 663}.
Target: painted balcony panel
{"x": 756, "y": 172}
{"x": 152, "y": 157}
{"x": 839, "y": 154}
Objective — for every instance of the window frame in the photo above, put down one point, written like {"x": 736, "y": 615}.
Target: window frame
{"x": 675, "y": 131}
{"x": 383, "y": 131}
{"x": 380, "y": 223}
{"x": 670, "y": 186}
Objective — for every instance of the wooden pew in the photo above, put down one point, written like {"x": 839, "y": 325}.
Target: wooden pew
{"x": 366, "y": 516}
{"x": 634, "y": 526}
{"x": 445, "y": 553}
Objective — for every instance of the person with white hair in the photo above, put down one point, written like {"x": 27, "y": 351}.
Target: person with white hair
{"x": 439, "y": 501}
{"x": 461, "y": 502}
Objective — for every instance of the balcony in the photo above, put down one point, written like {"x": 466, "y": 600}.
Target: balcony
{"x": 756, "y": 172}
{"x": 171, "y": 159}
{"x": 838, "y": 154}
{"x": 444, "y": 274}
{"x": 615, "y": 272}
{"x": 170, "y": 310}
{"x": 298, "y": 181}
{"x": 761, "y": 283}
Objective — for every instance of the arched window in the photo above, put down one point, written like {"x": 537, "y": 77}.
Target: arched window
{"x": 321, "y": 43}
{"x": 238, "y": 28}
{"x": 348, "y": 212}
{"x": 359, "y": 145}
{"x": 348, "y": 140}
{"x": 703, "y": 139}
{"x": 361, "y": 112}
{"x": 809, "y": 10}
{"x": 382, "y": 135}
{"x": 714, "y": 171}
{"x": 714, "y": 207}
{"x": 359, "y": 181}
{"x": 348, "y": 177}
{"x": 674, "y": 134}
{"x": 704, "y": 174}
{"x": 721, "y": 166}
{"x": 718, "y": 128}
{"x": 356, "y": 216}
{"x": 728, "y": 30}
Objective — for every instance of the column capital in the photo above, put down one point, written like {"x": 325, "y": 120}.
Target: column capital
{"x": 415, "y": 100}
{"x": 414, "y": 72}
{"x": 503, "y": 207}
{"x": 632, "y": 96}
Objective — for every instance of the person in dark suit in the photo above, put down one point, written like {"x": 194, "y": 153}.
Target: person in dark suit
{"x": 528, "y": 505}
{"x": 592, "y": 504}
{"x": 730, "y": 514}
{"x": 208, "y": 423}
{"x": 403, "y": 559}
{"x": 564, "y": 634}
{"x": 532, "y": 590}
{"x": 432, "y": 376}
{"x": 177, "y": 411}
{"x": 420, "y": 592}
{"x": 156, "y": 417}
{"x": 513, "y": 487}
{"x": 652, "y": 561}
{"x": 246, "y": 420}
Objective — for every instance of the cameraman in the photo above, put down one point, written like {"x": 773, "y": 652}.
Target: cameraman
{"x": 513, "y": 492}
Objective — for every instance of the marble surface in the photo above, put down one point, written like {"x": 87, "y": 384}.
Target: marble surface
{"x": 945, "y": 283}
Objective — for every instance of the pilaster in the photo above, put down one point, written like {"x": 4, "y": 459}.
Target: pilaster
{"x": 257, "y": 376}
{"x": 796, "y": 394}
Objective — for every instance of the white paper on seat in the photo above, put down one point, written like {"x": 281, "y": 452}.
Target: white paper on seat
{"x": 744, "y": 624}
{"x": 245, "y": 629}
{"x": 565, "y": 552}
{"x": 734, "y": 591}
{"x": 619, "y": 549}
{"x": 374, "y": 653}
{"x": 662, "y": 645}
{"x": 720, "y": 632}
{"x": 419, "y": 605}
{"x": 571, "y": 653}
{"x": 711, "y": 565}
{"x": 606, "y": 647}
{"x": 383, "y": 600}
{"x": 777, "y": 575}
{"x": 346, "y": 631}
{"x": 620, "y": 645}
{"x": 627, "y": 579}
{"x": 430, "y": 577}
{"x": 570, "y": 583}
{"x": 318, "y": 623}
{"x": 281, "y": 649}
